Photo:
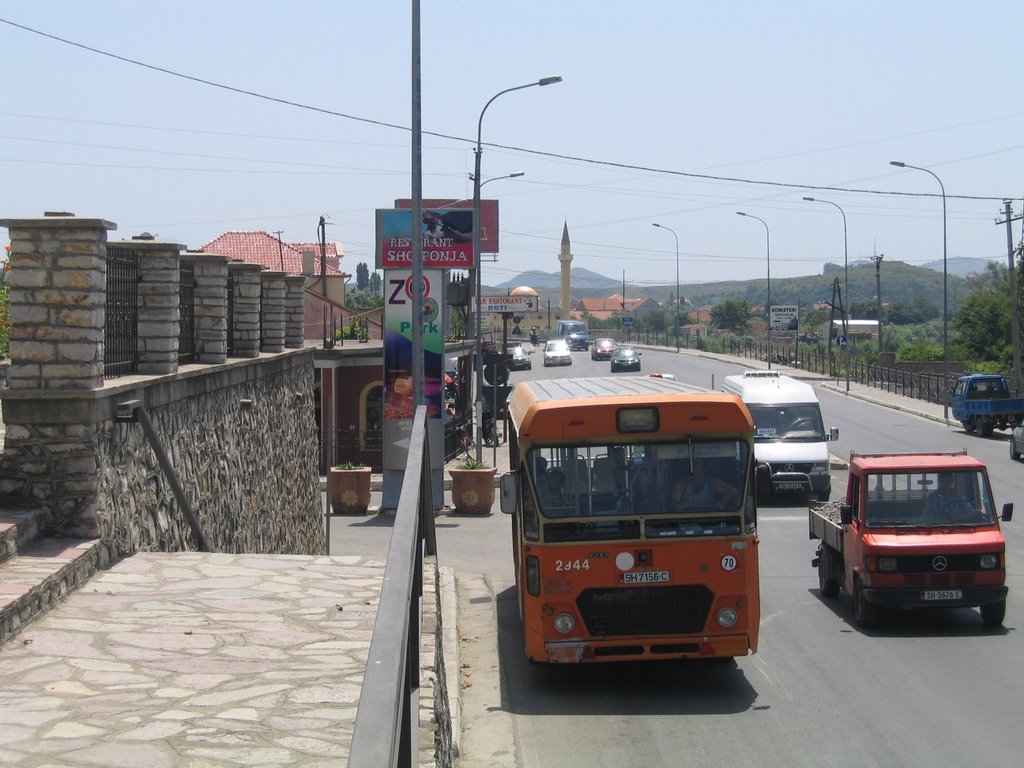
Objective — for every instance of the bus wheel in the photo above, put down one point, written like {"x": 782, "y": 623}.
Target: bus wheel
{"x": 993, "y": 613}
{"x": 828, "y": 584}
{"x": 867, "y": 615}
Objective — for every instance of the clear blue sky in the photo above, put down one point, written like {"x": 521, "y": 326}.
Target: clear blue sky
{"x": 669, "y": 111}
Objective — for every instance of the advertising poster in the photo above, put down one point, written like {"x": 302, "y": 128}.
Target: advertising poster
{"x": 398, "y": 383}
{"x": 447, "y": 239}
{"x": 488, "y": 217}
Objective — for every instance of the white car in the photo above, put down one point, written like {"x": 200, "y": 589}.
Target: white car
{"x": 1017, "y": 441}
{"x": 556, "y": 352}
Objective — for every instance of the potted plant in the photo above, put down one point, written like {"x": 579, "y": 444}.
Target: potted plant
{"x": 348, "y": 488}
{"x": 472, "y": 487}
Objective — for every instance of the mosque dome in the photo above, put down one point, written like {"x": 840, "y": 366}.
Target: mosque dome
{"x": 523, "y": 290}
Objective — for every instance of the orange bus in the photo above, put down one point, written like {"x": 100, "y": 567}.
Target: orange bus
{"x": 634, "y": 520}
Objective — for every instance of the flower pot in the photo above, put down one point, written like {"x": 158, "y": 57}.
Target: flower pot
{"x": 473, "y": 490}
{"x": 349, "y": 490}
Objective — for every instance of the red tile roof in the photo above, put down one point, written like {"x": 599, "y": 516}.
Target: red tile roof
{"x": 265, "y": 249}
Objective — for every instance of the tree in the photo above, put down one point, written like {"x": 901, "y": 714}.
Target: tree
{"x": 981, "y": 325}
{"x": 375, "y": 283}
{"x": 362, "y": 276}
{"x": 732, "y": 315}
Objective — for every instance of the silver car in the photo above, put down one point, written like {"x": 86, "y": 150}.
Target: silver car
{"x": 1017, "y": 441}
{"x": 556, "y": 352}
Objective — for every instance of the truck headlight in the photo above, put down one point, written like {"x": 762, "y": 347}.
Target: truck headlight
{"x": 990, "y": 561}
{"x": 727, "y": 617}
{"x": 564, "y": 623}
{"x": 887, "y": 563}
{"x": 819, "y": 468}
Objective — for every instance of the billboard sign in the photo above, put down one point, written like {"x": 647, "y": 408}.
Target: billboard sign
{"x": 447, "y": 239}
{"x": 783, "y": 317}
{"x": 508, "y": 304}
{"x": 488, "y": 217}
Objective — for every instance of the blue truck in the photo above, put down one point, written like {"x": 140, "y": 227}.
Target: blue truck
{"x": 981, "y": 402}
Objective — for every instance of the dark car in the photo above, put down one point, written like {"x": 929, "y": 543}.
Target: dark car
{"x": 518, "y": 358}
{"x": 602, "y": 349}
{"x": 625, "y": 359}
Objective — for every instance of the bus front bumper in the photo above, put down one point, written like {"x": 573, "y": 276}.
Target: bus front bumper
{"x": 626, "y": 649}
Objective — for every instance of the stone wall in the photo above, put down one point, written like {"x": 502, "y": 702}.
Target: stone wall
{"x": 238, "y": 434}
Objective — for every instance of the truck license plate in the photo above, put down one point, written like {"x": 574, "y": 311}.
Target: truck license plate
{"x": 941, "y": 594}
{"x": 644, "y": 577}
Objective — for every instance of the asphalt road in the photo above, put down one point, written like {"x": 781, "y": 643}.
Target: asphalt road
{"x": 935, "y": 689}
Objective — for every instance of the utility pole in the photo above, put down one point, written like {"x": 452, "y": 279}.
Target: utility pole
{"x": 877, "y": 259}
{"x": 1014, "y": 294}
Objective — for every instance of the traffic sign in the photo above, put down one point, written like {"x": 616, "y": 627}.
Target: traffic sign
{"x": 508, "y": 303}
{"x": 841, "y": 341}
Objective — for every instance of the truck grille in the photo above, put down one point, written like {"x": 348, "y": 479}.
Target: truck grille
{"x": 645, "y": 610}
{"x": 939, "y": 580}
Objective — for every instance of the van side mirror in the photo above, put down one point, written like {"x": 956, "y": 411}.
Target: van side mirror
{"x": 508, "y": 494}
{"x": 833, "y": 433}
{"x": 1007, "y": 515}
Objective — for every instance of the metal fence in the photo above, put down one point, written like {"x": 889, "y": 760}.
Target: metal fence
{"x": 120, "y": 334}
{"x": 387, "y": 719}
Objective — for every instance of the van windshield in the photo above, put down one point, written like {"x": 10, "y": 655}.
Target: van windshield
{"x": 790, "y": 423}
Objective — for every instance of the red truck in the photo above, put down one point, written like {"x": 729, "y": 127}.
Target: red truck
{"x": 917, "y": 530}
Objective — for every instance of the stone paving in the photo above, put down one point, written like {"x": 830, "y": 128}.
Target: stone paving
{"x": 194, "y": 659}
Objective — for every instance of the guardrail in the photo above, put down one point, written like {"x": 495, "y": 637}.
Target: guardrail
{"x": 387, "y": 719}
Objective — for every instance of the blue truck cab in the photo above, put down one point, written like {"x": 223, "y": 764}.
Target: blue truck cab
{"x": 574, "y": 332}
{"x": 982, "y": 402}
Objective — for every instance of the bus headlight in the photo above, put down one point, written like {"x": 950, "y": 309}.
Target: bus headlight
{"x": 564, "y": 623}
{"x": 727, "y": 617}
{"x": 533, "y": 575}
{"x": 887, "y": 564}
{"x": 990, "y": 561}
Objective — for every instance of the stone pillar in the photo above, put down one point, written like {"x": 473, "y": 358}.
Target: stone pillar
{"x": 158, "y": 297}
{"x": 295, "y": 311}
{"x": 245, "y": 325}
{"x": 272, "y": 311}
{"x": 211, "y": 301}
{"x": 58, "y": 294}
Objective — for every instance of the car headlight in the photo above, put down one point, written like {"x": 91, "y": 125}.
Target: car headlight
{"x": 990, "y": 561}
{"x": 564, "y": 623}
{"x": 727, "y": 617}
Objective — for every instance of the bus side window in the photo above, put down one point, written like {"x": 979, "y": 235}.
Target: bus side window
{"x": 531, "y": 520}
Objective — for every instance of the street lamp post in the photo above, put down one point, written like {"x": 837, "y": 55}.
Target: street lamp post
{"x": 846, "y": 288}
{"x": 945, "y": 292}
{"x": 479, "y": 367}
{"x": 675, "y": 321}
{"x": 768, "y": 259}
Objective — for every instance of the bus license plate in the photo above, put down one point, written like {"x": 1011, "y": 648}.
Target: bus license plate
{"x": 941, "y": 594}
{"x": 644, "y": 577}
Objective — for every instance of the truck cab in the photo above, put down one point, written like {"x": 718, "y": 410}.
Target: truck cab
{"x": 916, "y": 531}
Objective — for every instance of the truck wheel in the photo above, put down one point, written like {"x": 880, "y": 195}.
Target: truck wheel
{"x": 993, "y": 613}
{"x": 968, "y": 425}
{"x": 867, "y": 615}
{"x": 985, "y": 428}
{"x": 828, "y": 585}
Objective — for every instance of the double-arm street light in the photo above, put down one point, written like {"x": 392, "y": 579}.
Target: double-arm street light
{"x": 768, "y": 259}
{"x": 676, "y": 319}
{"x": 846, "y": 288}
{"x": 945, "y": 292}
{"x": 477, "y": 183}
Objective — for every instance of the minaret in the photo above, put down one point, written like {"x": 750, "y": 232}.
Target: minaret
{"x": 565, "y": 259}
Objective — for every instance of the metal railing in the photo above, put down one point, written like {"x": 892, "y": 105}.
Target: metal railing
{"x": 120, "y": 334}
{"x": 387, "y": 720}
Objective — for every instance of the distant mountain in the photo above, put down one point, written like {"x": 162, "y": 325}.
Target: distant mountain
{"x": 582, "y": 280}
{"x": 961, "y": 266}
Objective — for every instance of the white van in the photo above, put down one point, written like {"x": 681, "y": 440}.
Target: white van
{"x": 788, "y": 432}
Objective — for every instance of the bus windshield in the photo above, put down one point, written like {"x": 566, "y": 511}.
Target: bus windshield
{"x": 687, "y": 485}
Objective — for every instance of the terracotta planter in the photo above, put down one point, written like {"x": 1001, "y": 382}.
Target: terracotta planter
{"x": 473, "y": 490}
{"x": 349, "y": 490}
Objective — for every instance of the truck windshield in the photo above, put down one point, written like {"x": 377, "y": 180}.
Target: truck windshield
{"x": 693, "y": 489}
{"x": 796, "y": 423}
{"x": 928, "y": 499}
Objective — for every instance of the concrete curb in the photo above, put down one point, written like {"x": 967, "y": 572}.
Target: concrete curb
{"x": 452, "y": 659}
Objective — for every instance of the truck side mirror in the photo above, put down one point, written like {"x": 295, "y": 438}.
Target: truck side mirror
{"x": 1007, "y": 515}
{"x": 508, "y": 494}
{"x": 833, "y": 433}
{"x": 845, "y": 514}
{"x": 763, "y": 482}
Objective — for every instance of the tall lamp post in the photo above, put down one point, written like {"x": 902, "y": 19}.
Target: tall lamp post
{"x": 768, "y": 259}
{"x": 945, "y": 292}
{"x": 846, "y": 287}
{"x": 675, "y": 321}
{"x": 479, "y": 367}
